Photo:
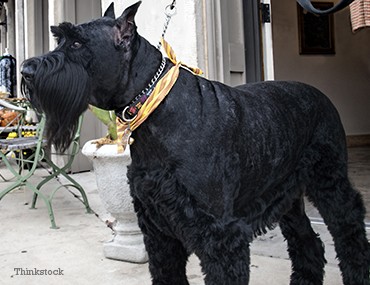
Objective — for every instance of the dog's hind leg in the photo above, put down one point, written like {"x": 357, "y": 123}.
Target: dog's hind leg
{"x": 305, "y": 248}
{"x": 343, "y": 212}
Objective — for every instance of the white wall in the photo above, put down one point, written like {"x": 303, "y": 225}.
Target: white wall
{"x": 204, "y": 33}
{"x": 344, "y": 77}
{"x": 182, "y": 32}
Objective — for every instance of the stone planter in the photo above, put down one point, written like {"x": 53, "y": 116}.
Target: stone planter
{"x": 110, "y": 170}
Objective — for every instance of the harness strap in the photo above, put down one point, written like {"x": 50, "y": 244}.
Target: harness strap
{"x": 160, "y": 91}
{"x": 171, "y": 55}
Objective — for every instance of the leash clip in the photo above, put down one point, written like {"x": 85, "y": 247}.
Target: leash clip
{"x": 126, "y": 137}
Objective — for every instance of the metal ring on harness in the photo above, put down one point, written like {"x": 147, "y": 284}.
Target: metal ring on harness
{"x": 126, "y": 119}
{"x": 170, "y": 10}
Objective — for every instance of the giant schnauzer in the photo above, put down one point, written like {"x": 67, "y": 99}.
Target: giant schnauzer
{"x": 213, "y": 166}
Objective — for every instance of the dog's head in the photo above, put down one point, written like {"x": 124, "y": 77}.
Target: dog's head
{"x": 90, "y": 65}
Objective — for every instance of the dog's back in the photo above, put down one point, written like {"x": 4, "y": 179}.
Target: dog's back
{"x": 269, "y": 129}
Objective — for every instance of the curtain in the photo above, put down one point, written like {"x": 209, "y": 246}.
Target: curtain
{"x": 360, "y": 14}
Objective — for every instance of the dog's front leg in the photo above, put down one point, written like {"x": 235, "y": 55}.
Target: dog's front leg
{"x": 174, "y": 224}
{"x": 167, "y": 260}
{"x": 167, "y": 256}
{"x": 225, "y": 254}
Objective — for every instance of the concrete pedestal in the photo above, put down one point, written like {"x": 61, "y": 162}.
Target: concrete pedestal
{"x": 110, "y": 170}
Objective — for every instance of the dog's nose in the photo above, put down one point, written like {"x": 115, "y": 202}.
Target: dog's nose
{"x": 28, "y": 70}
{"x": 28, "y": 73}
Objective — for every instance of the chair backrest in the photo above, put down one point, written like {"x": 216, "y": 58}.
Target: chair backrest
{"x": 78, "y": 130}
{"x": 17, "y": 133}
{"x": 11, "y": 117}
{"x": 11, "y": 106}
{"x": 66, "y": 159}
{"x": 38, "y": 131}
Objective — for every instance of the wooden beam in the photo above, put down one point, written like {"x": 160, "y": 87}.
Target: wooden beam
{"x": 358, "y": 140}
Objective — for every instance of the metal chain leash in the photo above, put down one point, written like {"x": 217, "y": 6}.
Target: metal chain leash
{"x": 169, "y": 11}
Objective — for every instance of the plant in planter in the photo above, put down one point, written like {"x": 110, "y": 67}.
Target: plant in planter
{"x": 108, "y": 118}
{"x": 110, "y": 166}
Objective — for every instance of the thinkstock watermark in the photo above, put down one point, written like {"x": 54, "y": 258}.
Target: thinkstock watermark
{"x": 36, "y": 271}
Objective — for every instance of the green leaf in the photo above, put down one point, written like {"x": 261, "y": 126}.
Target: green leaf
{"x": 108, "y": 118}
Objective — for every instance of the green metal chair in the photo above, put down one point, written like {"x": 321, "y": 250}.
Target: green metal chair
{"x": 25, "y": 166}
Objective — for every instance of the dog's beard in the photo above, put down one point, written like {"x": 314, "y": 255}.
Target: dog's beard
{"x": 59, "y": 89}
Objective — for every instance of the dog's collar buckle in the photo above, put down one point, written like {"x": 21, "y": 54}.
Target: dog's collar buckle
{"x": 123, "y": 116}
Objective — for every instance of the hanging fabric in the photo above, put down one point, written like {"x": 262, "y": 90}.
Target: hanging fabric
{"x": 8, "y": 74}
{"x": 360, "y": 14}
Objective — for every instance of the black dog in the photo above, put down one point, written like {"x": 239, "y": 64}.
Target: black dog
{"x": 213, "y": 166}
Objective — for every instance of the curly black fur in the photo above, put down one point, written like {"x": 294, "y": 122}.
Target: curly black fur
{"x": 213, "y": 166}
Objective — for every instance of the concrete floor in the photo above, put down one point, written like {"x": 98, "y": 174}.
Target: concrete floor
{"x": 27, "y": 242}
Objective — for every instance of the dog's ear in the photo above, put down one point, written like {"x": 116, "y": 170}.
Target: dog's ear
{"x": 57, "y": 33}
{"x": 110, "y": 11}
{"x": 129, "y": 14}
{"x": 125, "y": 25}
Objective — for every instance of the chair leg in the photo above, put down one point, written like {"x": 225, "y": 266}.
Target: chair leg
{"x": 75, "y": 184}
{"x": 10, "y": 188}
{"x": 36, "y": 192}
{"x": 34, "y": 200}
{"x": 22, "y": 180}
{"x": 35, "y": 158}
{"x": 9, "y": 166}
{"x": 47, "y": 201}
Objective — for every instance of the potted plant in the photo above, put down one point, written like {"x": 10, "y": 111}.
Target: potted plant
{"x": 110, "y": 167}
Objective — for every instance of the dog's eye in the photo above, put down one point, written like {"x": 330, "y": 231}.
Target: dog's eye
{"x": 76, "y": 45}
